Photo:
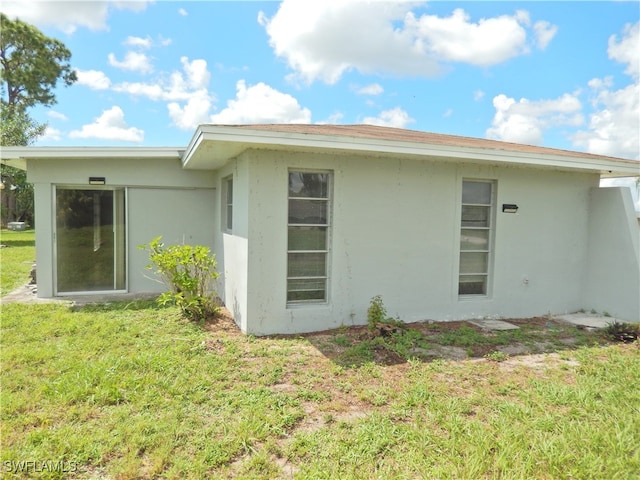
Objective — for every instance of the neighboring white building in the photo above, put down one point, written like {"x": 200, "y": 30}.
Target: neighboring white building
{"x": 309, "y": 222}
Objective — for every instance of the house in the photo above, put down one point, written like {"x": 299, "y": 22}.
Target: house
{"x": 309, "y": 222}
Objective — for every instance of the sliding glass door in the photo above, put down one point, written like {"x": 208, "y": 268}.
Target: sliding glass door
{"x": 90, "y": 238}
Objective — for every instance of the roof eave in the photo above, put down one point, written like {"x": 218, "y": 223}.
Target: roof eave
{"x": 18, "y": 156}
{"x": 213, "y": 146}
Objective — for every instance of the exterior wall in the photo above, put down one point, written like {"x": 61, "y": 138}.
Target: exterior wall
{"x": 232, "y": 248}
{"x": 613, "y": 267}
{"x": 178, "y": 215}
{"x": 162, "y": 199}
{"x": 395, "y": 232}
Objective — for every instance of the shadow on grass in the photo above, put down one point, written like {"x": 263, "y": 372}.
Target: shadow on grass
{"x": 210, "y": 323}
{"x": 459, "y": 340}
{"x": 16, "y": 243}
{"x": 142, "y": 304}
{"x": 355, "y": 346}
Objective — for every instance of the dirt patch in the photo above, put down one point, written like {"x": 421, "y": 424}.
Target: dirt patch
{"x": 223, "y": 323}
{"x": 538, "y": 361}
{"x": 457, "y": 340}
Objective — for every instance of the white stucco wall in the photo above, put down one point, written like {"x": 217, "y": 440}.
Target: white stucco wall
{"x": 613, "y": 268}
{"x": 162, "y": 199}
{"x": 180, "y": 216}
{"x": 395, "y": 232}
{"x": 232, "y": 248}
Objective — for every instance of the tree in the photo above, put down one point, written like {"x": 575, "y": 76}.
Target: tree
{"x": 17, "y": 127}
{"x": 31, "y": 64}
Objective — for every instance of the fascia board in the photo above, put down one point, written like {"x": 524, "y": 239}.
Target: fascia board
{"x": 258, "y": 138}
{"x": 193, "y": 146}
{"x": 27, "y": 153}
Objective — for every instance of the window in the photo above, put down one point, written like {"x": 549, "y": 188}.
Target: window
{"x": 476, "y": 228}
{"x": 227, "y": 204}
{"x": 308, "y": 236}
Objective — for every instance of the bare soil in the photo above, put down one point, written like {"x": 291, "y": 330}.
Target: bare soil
{"x": 539, "y": 335}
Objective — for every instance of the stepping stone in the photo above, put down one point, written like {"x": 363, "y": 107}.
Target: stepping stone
{"x": 587, "y": 320}
{"x": 496, "y": 325}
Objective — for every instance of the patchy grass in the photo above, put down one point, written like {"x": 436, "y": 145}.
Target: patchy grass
{"x": 16, "y": 264}
{"x": 449, "y": 340}
{"x": 131, "y": 390}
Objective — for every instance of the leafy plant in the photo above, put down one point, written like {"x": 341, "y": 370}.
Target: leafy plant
{"x": 377, "y": 318}
{"x": 497, "y": 356}
{"x": 376, "y": 313}
{"x": 189, "y": 272}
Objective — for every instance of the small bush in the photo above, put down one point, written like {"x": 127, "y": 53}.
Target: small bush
{"x": 376, "y": 313}
{"x": 378, "y": 320}
{"x": 189, "y": 272}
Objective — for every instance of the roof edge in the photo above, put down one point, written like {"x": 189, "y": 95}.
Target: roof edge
{"x": 537, "y": 156}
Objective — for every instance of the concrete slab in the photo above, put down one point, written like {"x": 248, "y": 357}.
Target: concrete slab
{"x": 28, "y": 294}
{"x": 493, "y": 325}
{"x": 587, "y": 320}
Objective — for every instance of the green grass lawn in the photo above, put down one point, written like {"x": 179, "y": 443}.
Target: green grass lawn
{"x": 16, "y": 259}
{"x": 133, "y": 391}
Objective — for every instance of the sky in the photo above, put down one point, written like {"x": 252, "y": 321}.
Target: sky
{"x": 557, "y": 74}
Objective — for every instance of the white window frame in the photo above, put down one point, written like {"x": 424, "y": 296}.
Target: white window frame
{"x": 489, "y": 251}
{"x": 326, "y": 251}
{"x": 226, "y": 201}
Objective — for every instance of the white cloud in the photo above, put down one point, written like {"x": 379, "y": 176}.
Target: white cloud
{"x": 323, "y": 40}
{"x": 395, "y": 117}
{"x": 456, "y": 38}
{"x": 614, "y": 126}
{"x": 138, "y": 42}
{"x": 261, "y": 103}
{"x": 198, "y": 75}
{"x": 525, "y": 121}
{"x": 448, "y": 113}
{"x": 68, "y": 16}
{"x": 50, "y": 135}
{"x": 544, "y": 32}
{"x": 478, "y": 95}
{"x": 334, "y": 118}
{"x": 372, "y": 89}
{"x": 110, "y": 126}
{"x": 626, "y": 50}
{"x": 181, "y": 86}
{"x": 146, "y": 43}
{"x": 133, "y": 61}
{"x": 94, "y": 79}
{"x": 183, "y": 12}
{"x": 57, "y": 115}
{"x": 194, "y": 112}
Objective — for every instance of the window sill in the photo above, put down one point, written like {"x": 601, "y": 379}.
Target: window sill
{"x": 471, "y": 297}
{"x": 310, "y": 304}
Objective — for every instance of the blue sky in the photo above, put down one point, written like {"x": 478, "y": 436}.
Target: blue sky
{"x": 558, "y": 74}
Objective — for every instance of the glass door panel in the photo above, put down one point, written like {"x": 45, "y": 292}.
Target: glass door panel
{"x": 90, "y": 240}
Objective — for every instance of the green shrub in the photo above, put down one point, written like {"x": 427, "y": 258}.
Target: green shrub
{"x": 376, "y": 313}
{"x": 189, "y": 272}
{"x": 377, "y": 316}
